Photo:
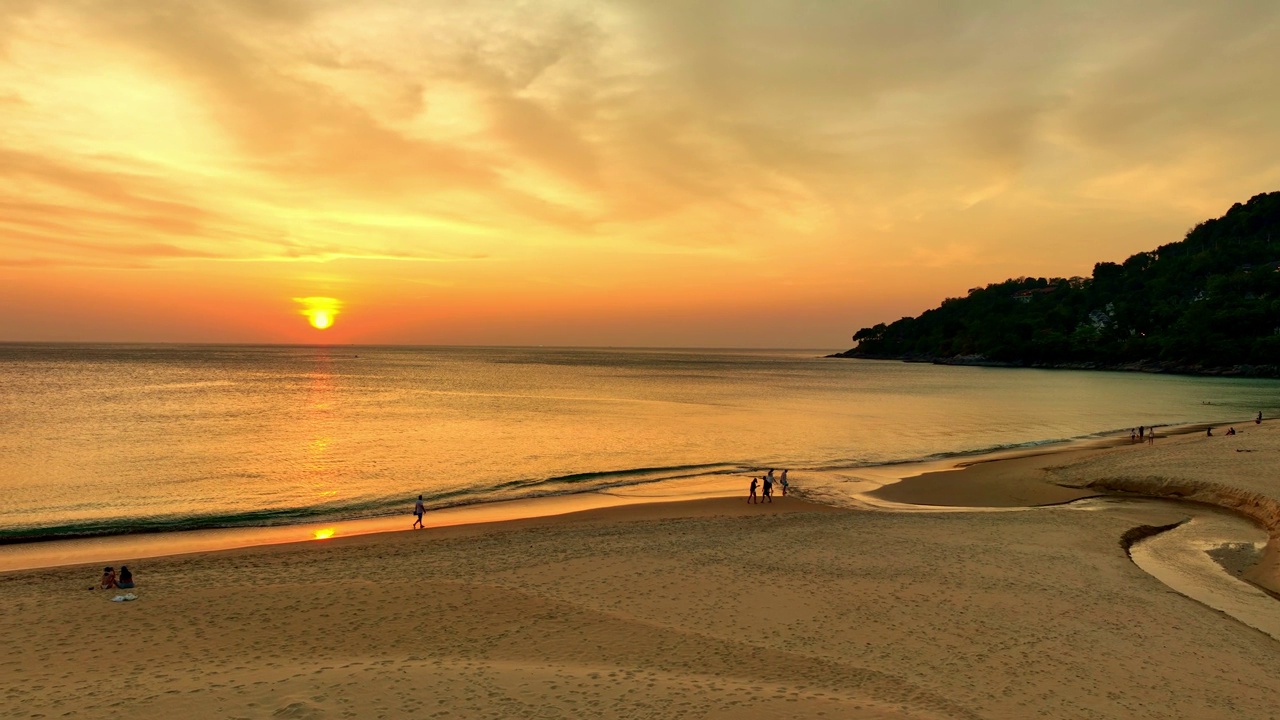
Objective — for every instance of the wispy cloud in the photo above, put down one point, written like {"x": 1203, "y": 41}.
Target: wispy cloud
{"x": 568, "y": 136}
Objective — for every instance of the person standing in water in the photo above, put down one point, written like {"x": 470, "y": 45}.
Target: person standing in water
{"x": 752, "y": 497}
{"x": 783, "y": 480}
{"x": 419, "y": 510}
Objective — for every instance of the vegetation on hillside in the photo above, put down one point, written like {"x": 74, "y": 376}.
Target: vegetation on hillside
{"x": 1210, "y": 302}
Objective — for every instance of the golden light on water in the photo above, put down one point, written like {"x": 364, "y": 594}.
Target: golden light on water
{"x": 324, "y": 533}
{"x": 320, "y": 311}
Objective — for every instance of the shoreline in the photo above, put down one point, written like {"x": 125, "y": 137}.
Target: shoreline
{"x": 104, "y": 549}
{"x": 1269, "y": 372}
{"x": 980, "y": 479}
{"x": 998, "y": 479}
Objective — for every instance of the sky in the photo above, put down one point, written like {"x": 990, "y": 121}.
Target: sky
{"x": 626, "y": 172}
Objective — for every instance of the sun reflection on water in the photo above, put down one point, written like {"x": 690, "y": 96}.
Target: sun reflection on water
{"x": 324, "y": 533}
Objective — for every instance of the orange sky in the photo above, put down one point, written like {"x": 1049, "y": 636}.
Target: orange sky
{"x": 636, "y": 172}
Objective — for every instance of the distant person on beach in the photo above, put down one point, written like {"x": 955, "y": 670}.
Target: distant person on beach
{"x": 1231, "y": 431}
{"x": 108, "y": 579}
{"x": 1151, "y": 436}
{"x": 418, "y": 510}
{"x": 1142, "y": 432}
{"x": 126, "y": 578}
{"x": 768, "y": 487}
{"x": 1258, "y": 420}
{"x": 784, "y": 482}
{"x": 752, "y": 497}
{"x": 1209, "y": 432}
{"x": 1133, "y": 435}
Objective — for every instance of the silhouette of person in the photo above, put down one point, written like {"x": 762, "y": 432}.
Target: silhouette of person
{"x": 126, "y": 578}
{"x": 768, "y": 487}
{"x": 784, "y": 482}
{"x": 418, "y": 510}
{"x": 752, "y": 497}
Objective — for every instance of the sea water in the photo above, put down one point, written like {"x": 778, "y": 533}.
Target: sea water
{"x": 113, "y": 439}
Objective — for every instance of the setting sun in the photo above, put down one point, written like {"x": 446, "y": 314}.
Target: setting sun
{"x": 320, "y": 311}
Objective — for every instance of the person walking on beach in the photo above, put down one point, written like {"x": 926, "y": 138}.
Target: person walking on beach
{"x": 1151, "y": 435}
{"x": 784, "y": 482}
{"x": 768, "y": 487}
{"x": 1258, "y": 420}
{"x": 1133, "y": 435}
{"x": 752, "y": 497}
{"x": 1142, "y": 432}
{"x": 418, "y": 510}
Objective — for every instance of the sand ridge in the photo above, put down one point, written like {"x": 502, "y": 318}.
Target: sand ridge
{"x": 1237, "y": 472}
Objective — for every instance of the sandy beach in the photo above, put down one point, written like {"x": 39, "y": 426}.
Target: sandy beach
{"x": 710, "y": 608}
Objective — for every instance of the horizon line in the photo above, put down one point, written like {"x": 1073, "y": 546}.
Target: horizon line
{"x": 402, "y": 345}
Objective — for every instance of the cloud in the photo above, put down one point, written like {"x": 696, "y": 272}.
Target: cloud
{"x": 567, "y": 134}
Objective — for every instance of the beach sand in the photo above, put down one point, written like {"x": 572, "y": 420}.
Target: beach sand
{"x": 704, "y": 609}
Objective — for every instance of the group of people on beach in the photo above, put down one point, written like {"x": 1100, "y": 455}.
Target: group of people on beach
{"x": 766, "y": 494}
{"x": 1148, "y": 434}
{"x": 110, "y": 580}
{"x": 1142, "y": 433}
{"x": 767, "y": 491}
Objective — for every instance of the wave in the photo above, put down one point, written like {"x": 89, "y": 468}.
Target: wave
{"x": 518, "y": 489}
{"x": 363, "y": 509}
{"x": 960, "y": 454}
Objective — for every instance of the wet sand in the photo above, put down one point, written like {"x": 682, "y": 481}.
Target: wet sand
{"x": 990, "y": 483}
{"x": 710, "y": 608}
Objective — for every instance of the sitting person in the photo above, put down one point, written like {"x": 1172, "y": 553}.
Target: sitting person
{"x": 126, "y": 577}
{"x": 108, "y": 579}
{"x": 1231, "y": 431}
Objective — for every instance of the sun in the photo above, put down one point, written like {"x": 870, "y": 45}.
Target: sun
{"x": 320, "y": 311}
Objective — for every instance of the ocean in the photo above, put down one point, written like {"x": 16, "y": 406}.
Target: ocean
{"x": 117, "y": 439}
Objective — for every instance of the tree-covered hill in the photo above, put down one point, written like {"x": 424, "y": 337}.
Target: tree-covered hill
{"x": 1209, "y": 303}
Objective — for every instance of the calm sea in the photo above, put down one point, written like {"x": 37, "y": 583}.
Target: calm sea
{"x": 107, "y": 439}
